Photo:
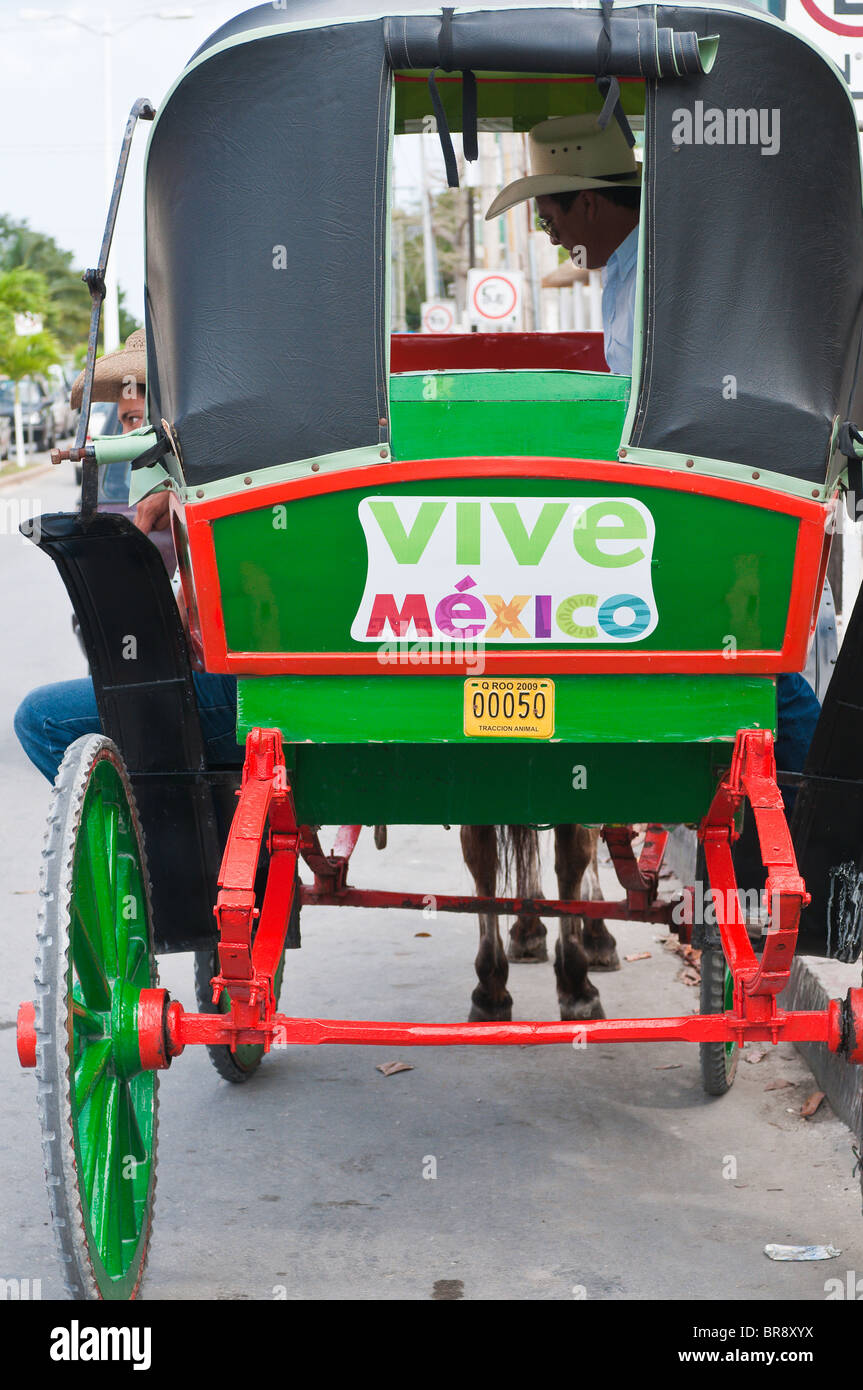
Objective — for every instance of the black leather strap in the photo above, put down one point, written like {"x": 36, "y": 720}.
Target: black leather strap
{"x": 607, "y": 84}
{"x": 443, "y": 134}
{"x": 156, "y": 452}
{"x": 470, "y": 137}
{"x": 469, "y": 106}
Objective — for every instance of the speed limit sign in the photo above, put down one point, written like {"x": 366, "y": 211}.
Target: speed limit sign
{"x": 495, "y": 298}
{"x": 438, "y": 316}
{"x": 836, "y": 27}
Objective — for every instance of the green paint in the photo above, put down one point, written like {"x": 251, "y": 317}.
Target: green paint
{"x": 428, "y": 707}
{"x": 467, "y": 533}
{"x": 694, "y": 464}
{"x": 546, "y": 784}
{"x": 583, "y": 631}
{"x": 407, "y": 546}
{"x": 112, "y": 1099}
{"x": 590, "y": 529}
{"x": 529, "y": 549}
{"x": 525, "y": 99}
{"x": 720, "y": 568}
{"x": 569, "y": 414}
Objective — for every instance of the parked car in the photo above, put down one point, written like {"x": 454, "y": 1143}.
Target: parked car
{"x": 58, "y": 385}
{"x": 36, "y": 412}
{"x": 5, "y": 437}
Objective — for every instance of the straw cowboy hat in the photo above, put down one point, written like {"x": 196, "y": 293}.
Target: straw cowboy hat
{"x": 115, "y": 370}
{"x": 568, "y": 153}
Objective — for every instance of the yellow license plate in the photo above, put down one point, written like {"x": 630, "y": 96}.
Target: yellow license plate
{"x": 508, "y": 708}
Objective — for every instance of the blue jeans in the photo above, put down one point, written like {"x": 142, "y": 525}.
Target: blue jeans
{"x": 53, "y": 716}
{"x": 797, "y": 711}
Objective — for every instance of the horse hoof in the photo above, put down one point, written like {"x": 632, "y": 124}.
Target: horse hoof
{"x": 490, "y": 1013}
{"x": 527, "y": 950}
{"x": 581, "y": 1010}
{"x": 603, "y": 960}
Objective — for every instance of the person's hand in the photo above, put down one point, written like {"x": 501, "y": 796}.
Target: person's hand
{"x": 153, "y": 513}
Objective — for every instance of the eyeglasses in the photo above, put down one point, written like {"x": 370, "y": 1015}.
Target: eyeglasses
{"x": 565, "y": 202}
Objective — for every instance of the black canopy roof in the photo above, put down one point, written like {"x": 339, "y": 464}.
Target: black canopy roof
{"x": 266, "y": 221}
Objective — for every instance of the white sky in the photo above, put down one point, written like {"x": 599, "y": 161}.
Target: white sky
{"x": 52, "y": 117}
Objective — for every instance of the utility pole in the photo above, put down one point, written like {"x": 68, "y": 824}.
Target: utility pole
{"x": 107, "y": 32}
{"x": 429, "y": 246}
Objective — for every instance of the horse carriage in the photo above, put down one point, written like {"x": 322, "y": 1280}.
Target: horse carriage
{"x": 468, "y": 579}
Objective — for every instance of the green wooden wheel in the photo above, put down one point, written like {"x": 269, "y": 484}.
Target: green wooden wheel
{"x": 98, "y": 1107}
{"x": 718, "y": 1059}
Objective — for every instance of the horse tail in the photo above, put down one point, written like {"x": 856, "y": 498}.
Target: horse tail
{"x": 518, "y": 860}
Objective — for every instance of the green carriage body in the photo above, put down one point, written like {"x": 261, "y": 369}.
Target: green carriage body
{"x": 376, "y": 731}
{"x": 276, "y": 525}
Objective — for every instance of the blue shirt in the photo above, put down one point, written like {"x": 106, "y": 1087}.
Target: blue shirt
{"x": 618, "y": 304}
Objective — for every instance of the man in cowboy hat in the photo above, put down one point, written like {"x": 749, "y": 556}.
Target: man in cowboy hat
{"x": 121, "y": 376}
{"x": 587, "y": 184}
{"x": 587, "y": 187}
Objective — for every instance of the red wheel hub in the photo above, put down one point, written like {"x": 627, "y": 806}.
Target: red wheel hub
{"x": 27, "y": 1033}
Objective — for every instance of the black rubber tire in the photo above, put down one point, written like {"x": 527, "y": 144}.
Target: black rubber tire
{"x": 236, "y": 1067}
{"x": 53, "y": 1022}
{"x": 718, "y": 1059}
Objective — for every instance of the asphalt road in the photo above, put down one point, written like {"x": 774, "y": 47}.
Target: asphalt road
{"x": 603, "y": 1174}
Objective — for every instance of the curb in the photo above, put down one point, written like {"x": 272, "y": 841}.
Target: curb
{"x": 35, "y": 470}
{"x": 814, "y": 982}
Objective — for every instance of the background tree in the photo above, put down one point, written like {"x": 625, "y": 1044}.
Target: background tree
{"x": 24, "y": 354}
{"x": 67, "y": 315}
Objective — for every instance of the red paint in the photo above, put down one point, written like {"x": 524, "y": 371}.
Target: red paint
{"x": 640, "y": 877}
{"x": 152, "y": 1033}
{"x": 804, "y": 596}
{"x": 624, "y": 911}
{"x": 310, "y": 1032}
{"x": 246, "y": 971}
{"x": 27, "y": 1033}
{"x": 754, "y": 1017}
{"x": 752, "y": 777}
{"x": 453, "y": 352}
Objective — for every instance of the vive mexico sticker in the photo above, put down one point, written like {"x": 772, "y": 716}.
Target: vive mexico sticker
{"x": 509, "y": 570}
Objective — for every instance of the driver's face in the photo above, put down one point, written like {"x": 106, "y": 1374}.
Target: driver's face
{"x": 552, "y": 219}
{"x": 575, "y": 228}
{"x": 130, "y": 412}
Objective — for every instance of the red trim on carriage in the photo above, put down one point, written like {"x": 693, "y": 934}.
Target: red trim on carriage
{"x": 810, "y": 560}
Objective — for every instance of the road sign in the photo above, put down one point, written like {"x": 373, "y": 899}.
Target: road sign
{"x": 438, "y": 316}
{"x": 836, "y": 27}
{"x": 495, "y": 298}
{"x": 28, "y": 324}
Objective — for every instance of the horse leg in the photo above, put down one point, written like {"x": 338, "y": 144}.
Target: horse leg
{"x": 527, "y": 935}
{"x": 578, "y": 998}
{"x": 600, "y": 946}
{"x": 491, "y": 1001}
